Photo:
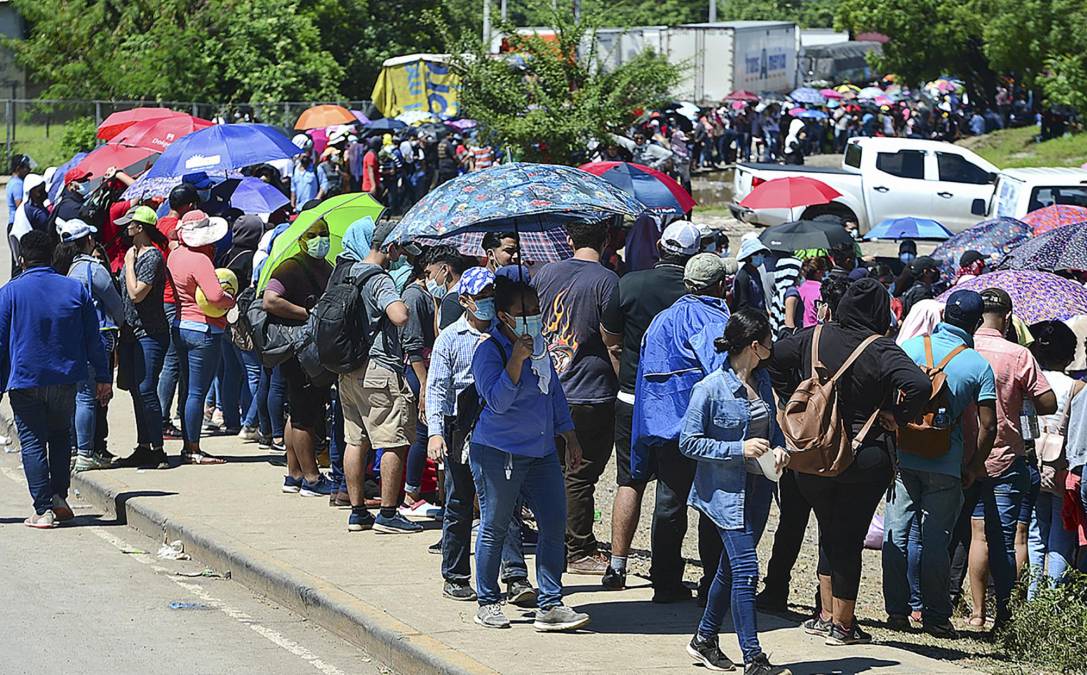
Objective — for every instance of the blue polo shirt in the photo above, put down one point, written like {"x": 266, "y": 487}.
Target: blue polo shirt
{"x": 969, "y": 380}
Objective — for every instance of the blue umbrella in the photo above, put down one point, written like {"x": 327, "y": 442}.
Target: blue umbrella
{"x": 251, "y": 195}
{"x": 58, "y": 176}
{"x": 659, "y": 193}
{"x": 808, "y": 95}
{"x": 909, "y": 228}
{"x": 221, "y": 148}
{"x": 813, "y": 115}
{"x": 518, "y": 196}
{"x": 385, "y": 124}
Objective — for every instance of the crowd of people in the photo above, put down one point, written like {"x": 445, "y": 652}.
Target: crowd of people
{"x": 498, "y": 384}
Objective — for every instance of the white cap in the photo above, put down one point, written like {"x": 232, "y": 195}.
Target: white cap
{"x": 681, "y": 238}
{"x": 73, "y": 229}
{"x": 749, "y": 247}
{"x": 32, "y": 181}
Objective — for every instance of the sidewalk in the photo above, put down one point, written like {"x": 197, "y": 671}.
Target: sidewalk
{"x": 383, "y": 592}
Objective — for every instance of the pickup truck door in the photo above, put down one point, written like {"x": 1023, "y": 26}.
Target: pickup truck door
{"x": 954, "y": 183}
{"x": 894, "y": 186}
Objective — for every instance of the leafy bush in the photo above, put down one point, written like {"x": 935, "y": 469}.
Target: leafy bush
{"x": 1049, "y": 630}
{"x": 79, "y": 136}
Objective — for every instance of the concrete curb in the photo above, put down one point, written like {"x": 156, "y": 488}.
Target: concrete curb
{"x": 394, "y": 643}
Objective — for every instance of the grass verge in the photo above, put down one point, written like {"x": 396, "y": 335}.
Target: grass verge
{"x": 1016, "y": 148}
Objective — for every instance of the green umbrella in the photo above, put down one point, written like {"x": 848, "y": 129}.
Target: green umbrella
{"x": 338, "y": 212}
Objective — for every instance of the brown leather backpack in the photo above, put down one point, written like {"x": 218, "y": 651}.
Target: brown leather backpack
{"x": 813, "y": 425}
{"x": 923, "y": 436}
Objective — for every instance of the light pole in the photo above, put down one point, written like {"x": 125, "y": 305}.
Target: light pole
{"x": 713, "y": 11}
{"x": 487, "y": 24}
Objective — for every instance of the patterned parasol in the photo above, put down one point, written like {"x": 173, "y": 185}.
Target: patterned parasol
{"x": 539, "y": 247}
{"x": 1057, "y": 215}
{"x": 1061, "y": 249}
{"x": 992, "y": 238}
{"x": 1036, "y": 296}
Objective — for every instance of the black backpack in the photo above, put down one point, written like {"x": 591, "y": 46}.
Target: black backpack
{"x": 341, "y": 330}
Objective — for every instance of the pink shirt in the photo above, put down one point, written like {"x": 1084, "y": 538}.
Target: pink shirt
{"x": 1018, "y": 376}
{"x": 810, "y": 292}
{"x": 191, "y": 269}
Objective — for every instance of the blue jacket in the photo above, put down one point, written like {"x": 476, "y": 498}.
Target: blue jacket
{"x": 714, "y": 430}
{"x": 48, "y": 332}
{"x": 677, "y": 352}
{"x": 519, "y": 418}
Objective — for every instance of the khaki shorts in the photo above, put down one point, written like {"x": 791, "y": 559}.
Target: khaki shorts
{"x": 378, "y": 407}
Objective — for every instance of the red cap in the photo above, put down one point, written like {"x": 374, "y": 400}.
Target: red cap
{"x": 76, "y": 174}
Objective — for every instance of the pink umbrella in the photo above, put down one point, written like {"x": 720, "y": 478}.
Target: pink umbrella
{"x": 1052, "y": 217}
{"x": 831, "y": 94}
{"x": 883, "y": 100}
{"x": 320, "y": 140}
{"x": 738, "y": 105}
{"x": 796, "y": 111}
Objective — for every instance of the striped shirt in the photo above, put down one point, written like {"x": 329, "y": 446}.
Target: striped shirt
{"x": 483, "y": 157}
{"x": 450, "y": 372}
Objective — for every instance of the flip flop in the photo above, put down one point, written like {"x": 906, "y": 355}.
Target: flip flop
{"x": 200, "y": 458}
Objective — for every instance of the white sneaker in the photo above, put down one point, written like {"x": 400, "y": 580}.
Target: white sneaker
{"x": 418, "y": 509}
{"x": 45, "y": 521}
{"x": 248, "y": 434}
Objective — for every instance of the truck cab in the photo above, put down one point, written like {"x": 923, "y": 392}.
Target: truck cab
{"x": 1020, "y": 191}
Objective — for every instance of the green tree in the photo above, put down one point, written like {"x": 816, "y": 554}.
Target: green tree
{"x": 545, "y": 100}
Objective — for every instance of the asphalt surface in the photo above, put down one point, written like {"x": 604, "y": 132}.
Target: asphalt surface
{"x": 95, "y": 597}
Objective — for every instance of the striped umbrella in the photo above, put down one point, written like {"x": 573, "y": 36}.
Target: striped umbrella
{"x": 539, "y": 247}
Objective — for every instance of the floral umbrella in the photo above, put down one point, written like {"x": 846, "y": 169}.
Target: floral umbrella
{"x": 991, "y": 238}
{"x": 1057, "y": 215}
{"x": 1036, "y": 296}
{"x": 1061, "y": 249}
{"x": 520, "y": 197}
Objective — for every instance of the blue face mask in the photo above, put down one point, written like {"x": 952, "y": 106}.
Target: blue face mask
{"x": 531, "y": 325}
{"x": 906, "y": 258}
{"x": 757, "y": 259}
{"x": 318, "y": 247}
{"x": 437, "y": 290}
{"x": 484, "y": 310}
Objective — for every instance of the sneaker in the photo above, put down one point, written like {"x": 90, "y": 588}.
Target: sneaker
{"x": 707, "y": 651}
{"x": 899, "y": 622}
{"x": 455, "y": 590}
{"x": 106, "y": 455}
{"x": 279, "y": 446}
{"x": 665, "y": 596}
{"x": 559, "y": 618}
{"x": 339, "y": 499}
{"x": 396, "y": 524}
{"x": 521, "y": 593}
{"x": 217, "y": 418}
{"x": 91, "y": 462}
{"x": 322, "y": 487}
{"x": 264, "y": 442}
{"x": 292, "y": 485}
{"x": 613, "y": 580}
{"x": 43, "y": 521}
{"x": 420, "y": 508}
{"x": 435, "y": 548}
{"x": 491, "y": 616}
{"x": 760, "y": 665}
{"x": 840, "y": 637}
{"x": 248, "y": 434}
{"x": 360, "y": 520}
{"x": 170, "y": 430}
{"x": 589, "y": 565}
{"x": 211, "y": 427}
{"x": 817, "y": 626}
{"x": 61, "y": 510}
{"x": 944, "y": 630}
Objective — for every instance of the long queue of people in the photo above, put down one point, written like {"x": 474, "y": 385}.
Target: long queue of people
{"x": 715, "y": 376}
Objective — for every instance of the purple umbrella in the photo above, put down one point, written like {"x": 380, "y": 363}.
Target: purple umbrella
{"x": 361, "y": 116}
{"x": 461, "y": 125}
{"x": 251, "y": 195}
{"x": 991, "y": 238}
{"x": 1062, "y": 249}
{"x": 1036, "y": 296}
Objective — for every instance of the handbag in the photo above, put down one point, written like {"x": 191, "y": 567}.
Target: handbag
{"x": 1050, "y": 444}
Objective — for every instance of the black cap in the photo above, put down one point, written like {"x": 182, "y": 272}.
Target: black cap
{"x": 969, "y": 257}
{"x": 922, "y": 263}
{"x": 382, "y": 230}
{"x": 996, "y": 300}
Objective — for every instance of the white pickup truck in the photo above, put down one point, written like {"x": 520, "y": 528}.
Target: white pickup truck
{"x": 1020, "y": 191}
{"x": 883, "y": 178}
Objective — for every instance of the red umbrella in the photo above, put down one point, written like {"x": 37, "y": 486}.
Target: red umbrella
{"x": 742, "y": 95}
{"x": 787, "y": 193}
{"x": 132, "y": 161}
{"x": 1051, "y": 217}
{"x": 119, "y": 121}
{"x": 157, "y": 134}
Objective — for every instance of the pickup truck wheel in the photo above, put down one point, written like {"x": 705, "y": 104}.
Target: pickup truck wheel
{"x": 843, "y": 212}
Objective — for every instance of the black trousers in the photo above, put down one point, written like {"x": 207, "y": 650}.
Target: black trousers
{"x": 794, "y": 514}
{"x": 594, "y": 425}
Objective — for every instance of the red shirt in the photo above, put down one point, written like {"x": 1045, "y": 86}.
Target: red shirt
{"x": 168, "y": 226}
{"x": 369, "y": 168}
{"x": 110, "y": 235}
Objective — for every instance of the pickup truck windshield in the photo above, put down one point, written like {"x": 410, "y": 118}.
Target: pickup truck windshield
{"x": 1048, "y": 196}
{"x": 903, "y": 164}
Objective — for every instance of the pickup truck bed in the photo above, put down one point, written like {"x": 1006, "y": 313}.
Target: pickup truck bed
{"x": 763, "y": 166}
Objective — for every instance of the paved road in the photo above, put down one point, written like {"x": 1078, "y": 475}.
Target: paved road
{"x": 84, "y": 598}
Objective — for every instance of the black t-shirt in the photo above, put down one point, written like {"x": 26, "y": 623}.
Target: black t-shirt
{"x": 642, "y": 296}
{"x": 449, "y": 310}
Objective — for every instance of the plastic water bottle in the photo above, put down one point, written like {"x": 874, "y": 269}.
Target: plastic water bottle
{"x": 1028, "y": 421}
{"x": 941, "y": 420}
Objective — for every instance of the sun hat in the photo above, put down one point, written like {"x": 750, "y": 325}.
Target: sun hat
{"x": 749, "y": 247}
{"x": 197, "y": 229}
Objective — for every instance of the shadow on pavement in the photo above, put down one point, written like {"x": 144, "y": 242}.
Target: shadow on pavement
{"x": 122, "y": 498}
{"x": 850, "y": 664}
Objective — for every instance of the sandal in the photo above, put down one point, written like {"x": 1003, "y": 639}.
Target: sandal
{"x": 200, "y": 458}
{"x": 976, "y": 621}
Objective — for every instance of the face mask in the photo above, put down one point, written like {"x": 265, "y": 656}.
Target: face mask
{"x": 906, "y": 258}
{"x": 531, "y": 325}
{"x": 318, "y": 247}
{"x": 484, "y": 310}
{"x": 437, "y": 290}
{"x": 81, "y": 188}
{"x": 757, "y": 259}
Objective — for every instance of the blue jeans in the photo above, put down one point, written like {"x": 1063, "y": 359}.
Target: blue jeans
{"x": 1051, "y": 547}
{"x": 270, "y": 396}
{"x": 168, "y": 380}
{"x": 1000, "y": 502}
{"x": 738, "y": 573}
{"x": 416, "y": 465}
{"x": 198, "y": 358}
{"x": 88, "y": 412}
{"x": 540, "y": 480}
{"x": 460, "y": 496}
{"x": 144, "y": 358}
{"x": 43, "y": 416}
{"x": 238, "y": 386}
{"x": 932, "y": 500}
{"x": 913, "y": 564}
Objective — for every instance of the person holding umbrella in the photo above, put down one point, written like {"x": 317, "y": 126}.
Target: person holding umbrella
{"x": 747, "y": 287}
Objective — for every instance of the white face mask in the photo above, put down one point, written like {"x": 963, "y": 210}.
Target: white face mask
{"x": 318, "y": 247}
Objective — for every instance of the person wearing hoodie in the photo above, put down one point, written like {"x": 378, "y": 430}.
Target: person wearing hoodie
{"x": 241, "y": 368}
{"x": 884, "y": 379}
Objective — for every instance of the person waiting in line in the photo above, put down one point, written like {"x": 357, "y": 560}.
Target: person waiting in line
{"x": 729, "y": 424}
{"x": 513, "y": 453}
{"x": 748, "y": 289}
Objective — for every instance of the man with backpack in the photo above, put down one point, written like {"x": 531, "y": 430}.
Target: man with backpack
{"x": 379, "y": 410}
{"x": 929, "y": 485}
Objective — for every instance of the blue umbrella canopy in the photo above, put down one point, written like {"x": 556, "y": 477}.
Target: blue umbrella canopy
{"x": 658, "y": 192}
{"x": 221, "y": 148}
{"x": 909, "y": 228}
{"x": 251, "y": 195}
{"x": 991, "y": 238}
{"x": 808, "y": 95}
{"x": 1061, "y": 250}
{"x": 518, "y": 196}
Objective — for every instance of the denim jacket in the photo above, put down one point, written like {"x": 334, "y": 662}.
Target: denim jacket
{"x": 714, "y": 430}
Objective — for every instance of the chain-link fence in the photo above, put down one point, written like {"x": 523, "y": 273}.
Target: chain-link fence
{"x": 49, "y": 130}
